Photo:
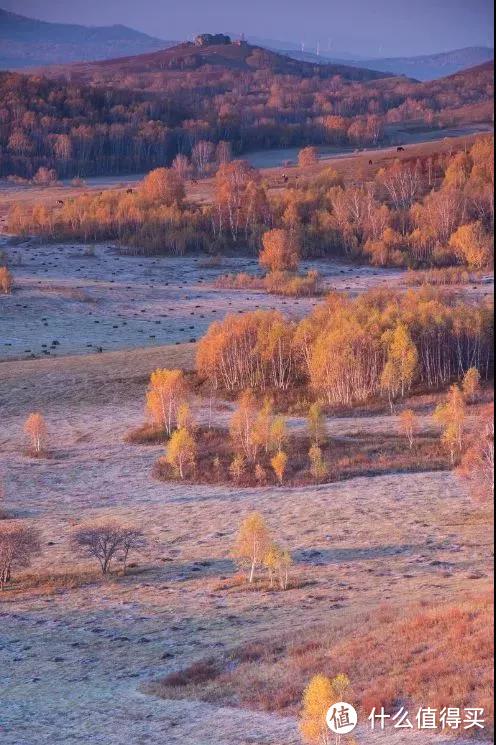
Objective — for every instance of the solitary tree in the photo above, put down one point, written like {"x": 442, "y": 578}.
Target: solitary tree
{"x": 181, "y": 451}
{"x": 451, "y": 416}
{"x": 408, "y": 423}
{"x": 320, "y": 694}
{"x": 316, "y": 424}
{"x": 36, "y": 430}
{"x": 167, "y": 391}
{"x": 279, "y": 463}
{"x": 471, "y": 384}
{"x": 252, "y": 543}
{"x": 19, "y": 544}
{"x": 279, "y": 252}
{"x": 6, "y": 281}
{"x": 318, "y": 466}
{"x": 106, "y": 541}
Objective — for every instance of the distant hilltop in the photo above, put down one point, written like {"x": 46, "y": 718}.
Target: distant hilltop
{"x": 208, "y": 40}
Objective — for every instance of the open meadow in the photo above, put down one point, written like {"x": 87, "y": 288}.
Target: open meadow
{"x": 388, "y": 554}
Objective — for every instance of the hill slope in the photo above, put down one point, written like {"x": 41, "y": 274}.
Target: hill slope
{"x": 234, "y": 57}
{"x": 27, "y": 42}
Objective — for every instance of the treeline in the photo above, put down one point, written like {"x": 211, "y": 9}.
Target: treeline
{"x": 349, "y": 351}
{"x": 436, "y": 211}
{"x": 136, "y": 122}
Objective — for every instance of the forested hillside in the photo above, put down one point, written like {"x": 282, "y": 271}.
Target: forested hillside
{"x": 132, "y": 115}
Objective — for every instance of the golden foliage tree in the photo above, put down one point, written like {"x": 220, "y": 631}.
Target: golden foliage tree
{"x": 401, "y": 364}
{"x": 181, "y": 451}
{"x": 318, "y": 696}
{"x": 279, "y": 462}
{"x": 318, "y": 466}
{"x": 277, "y": 561}
{"x": 263, "y": 425}
{"x": 36, "y": 429}
{"x": 472, "y": 244}
{"x": 279, "y": 252}
{"x": 451, "y": 416}
{"x": 471, "y": 384}
{"x": 252, "y": 543}
{"x": 408, "y": 425}
{"x": 166, "y": 392}
{"x": 316, "y": 424}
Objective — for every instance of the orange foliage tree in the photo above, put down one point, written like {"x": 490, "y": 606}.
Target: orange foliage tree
{"x": 36, "y": 429}
{"x": 280, "y": 252}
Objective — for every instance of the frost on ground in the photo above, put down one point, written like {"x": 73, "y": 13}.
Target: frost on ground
{"x": 73, "y": 661}
{"x": 67, "y": 301}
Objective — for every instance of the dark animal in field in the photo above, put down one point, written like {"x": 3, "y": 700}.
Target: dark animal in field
{"x": 400, "y": 149}
{"x": 285, "y": 178}
{"x": 60, "y": 202}
{"x": 370, "y": 162}
{"x": 129, "y": 191}
{"x": 195, "y": 181}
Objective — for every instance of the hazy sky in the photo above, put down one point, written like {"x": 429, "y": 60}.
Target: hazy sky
{"x": 362, "y": 27}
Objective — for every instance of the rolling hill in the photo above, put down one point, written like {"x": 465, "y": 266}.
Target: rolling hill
{"x": 235, "y": 56}
{"x": 27, "y": 42}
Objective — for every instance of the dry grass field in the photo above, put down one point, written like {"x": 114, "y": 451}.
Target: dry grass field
{"x": 72, "y": 643}
{"x": 391, "y": 572}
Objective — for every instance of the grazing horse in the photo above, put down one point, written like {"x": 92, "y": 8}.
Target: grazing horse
{"x": 60, "y": 202}
{"x": 400, "y": 149}
{"x": 129, "y": 191}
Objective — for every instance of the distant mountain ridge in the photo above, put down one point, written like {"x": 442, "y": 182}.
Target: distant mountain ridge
{"x": 27, "y": 42}
{"x": 423, "y": 67}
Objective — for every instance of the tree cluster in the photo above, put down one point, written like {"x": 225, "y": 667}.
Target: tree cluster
{"x": 350, "y": 350}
